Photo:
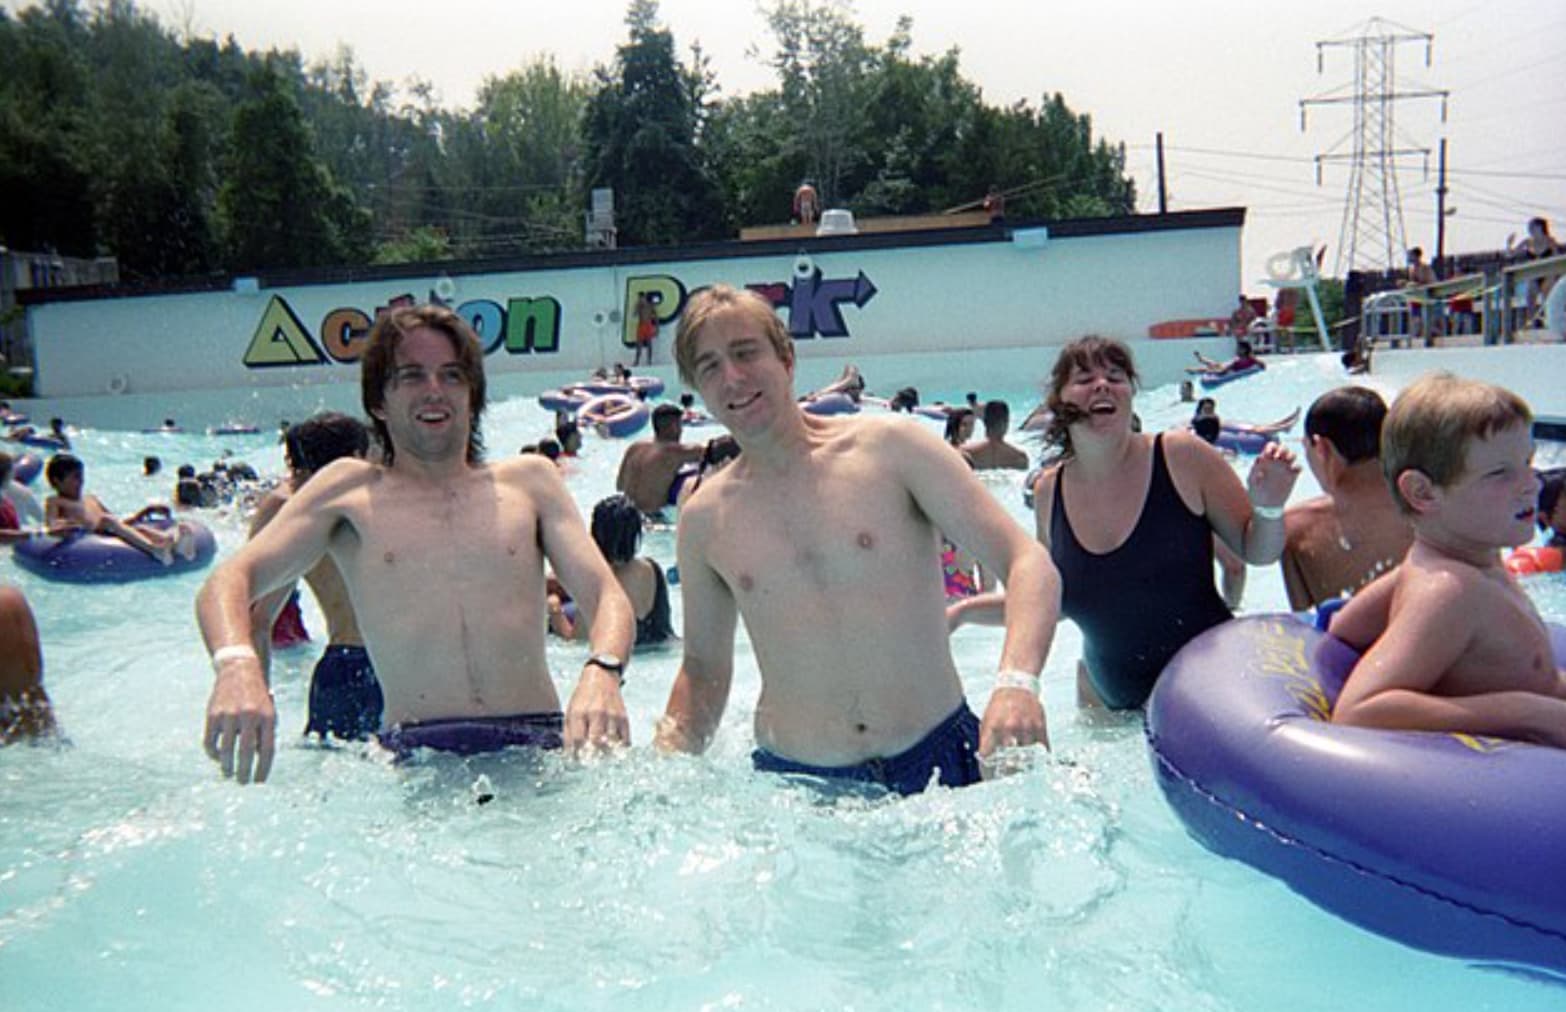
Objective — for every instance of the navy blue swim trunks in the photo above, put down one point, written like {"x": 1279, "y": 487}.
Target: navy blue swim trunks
{"x": 345, "y": 696}
{"x": 950, "y": 750}
{"x": 473, "y": 735}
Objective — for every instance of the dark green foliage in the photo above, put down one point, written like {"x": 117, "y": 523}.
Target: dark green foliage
{"x": 186, "y": 155}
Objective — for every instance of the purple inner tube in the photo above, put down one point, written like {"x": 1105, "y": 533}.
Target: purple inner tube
{"x": 832, "y": 404}
{"x": 1451, "y": 843}
{"x": 1210, "y": 380}
{"x": 93, "y": 558}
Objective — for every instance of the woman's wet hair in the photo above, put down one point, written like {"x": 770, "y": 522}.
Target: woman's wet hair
{"x": 1083, "y": 353}
{"x": 617, "y": 528}
{"x": 323, "y": 438}
{"x": 954, "y": 420}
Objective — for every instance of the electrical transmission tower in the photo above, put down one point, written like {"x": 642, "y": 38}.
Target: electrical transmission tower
{"x": 1372, "y": 234}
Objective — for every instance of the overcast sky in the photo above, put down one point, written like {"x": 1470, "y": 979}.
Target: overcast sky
{"x": 1222, "y": 80}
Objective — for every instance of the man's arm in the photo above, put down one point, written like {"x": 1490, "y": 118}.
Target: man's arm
{"x": 962, "y": 508}
{"x": 1295, "y": 521}
{"x": 701, "y": 689}
{"x": 1393, "y": 684}
{"x": 264, "y": 612}
{"x": 596, "y": 712}
{"x": 240, "y": 714}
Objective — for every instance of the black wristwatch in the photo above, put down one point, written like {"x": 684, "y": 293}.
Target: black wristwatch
{"x": 609, "y": 663}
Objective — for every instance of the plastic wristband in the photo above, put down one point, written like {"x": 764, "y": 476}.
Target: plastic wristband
{"x": 1016, "y": 678}
{"x": 222, "y": 655}
{"x": 1268, "y": 512}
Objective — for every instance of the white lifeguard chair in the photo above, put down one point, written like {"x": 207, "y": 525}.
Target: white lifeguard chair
{"x": 1296, "y": 270}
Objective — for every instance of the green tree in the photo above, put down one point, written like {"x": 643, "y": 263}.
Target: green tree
{"x": 278, "y": 204}
{"x": 642, "y": 139}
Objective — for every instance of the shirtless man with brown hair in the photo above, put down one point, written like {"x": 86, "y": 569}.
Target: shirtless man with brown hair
{"x": 648, "y": 467}
{"x": 443, "y": 555}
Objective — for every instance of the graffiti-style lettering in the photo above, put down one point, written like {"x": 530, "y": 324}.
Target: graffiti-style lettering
{"x": 668, "y": 298}
{"x": 533, "y": 325}
{"x": 488, "y": 321}
{"x": 281, "y": 340}
{"x": 343, "y": 334}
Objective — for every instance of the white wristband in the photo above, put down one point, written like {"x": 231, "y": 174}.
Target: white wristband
{"x": 1016, "y": 678}
{"x": 222, "y": 655}
{"x": 1268, "y": 512}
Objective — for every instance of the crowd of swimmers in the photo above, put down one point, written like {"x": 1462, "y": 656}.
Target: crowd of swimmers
{"x": 815, "y": 529}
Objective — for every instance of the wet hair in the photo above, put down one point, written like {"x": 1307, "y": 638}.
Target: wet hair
{"x": 1083, "y": 353}
{"x": 549, "y": 447}
{"x": 1434, "y": 419}
{"x": 617, "y": 528}
{"x": 187, "y": 492}
{"x": 151, "y": 466}
{"x": 1350, "y": 418}
{"x": 186, "y": 471}
{"x": 1208, "y": 403}
{"x": 954, "y": 420}
{"x": 1554, "y": 481}
{"x": 687, "y": 400}
{"x": 1208, "y": 427}
{"x": 61, "y": 466}
{"x": 905, "y": 399}
{"x": 666, "y": 419}
{"x": 1244, "y": 348}
{"x": 380, "y": 361}
{"x": 1416, "y": 253}
{"x": 323, "y": 438}
{"x": 565, "y": 430}
{"x": 997, "y": 415}
{"x": 710, "y": 302}
{"x": 718, "y": 450}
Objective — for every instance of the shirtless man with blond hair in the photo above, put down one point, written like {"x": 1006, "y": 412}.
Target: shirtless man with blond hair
{"x": 823, "y": 534}
{"x": 443, "y": 556}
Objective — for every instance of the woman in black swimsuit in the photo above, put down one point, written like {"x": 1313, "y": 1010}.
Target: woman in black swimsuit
{"x": 1129, "y": 520}
{"x": 617, "y": 530}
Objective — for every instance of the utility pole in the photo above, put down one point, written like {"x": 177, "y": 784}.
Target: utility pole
{"x": 1441, "y": 211}
{"x": 1372, "y": 234}
{"x": 1163, "y": 196}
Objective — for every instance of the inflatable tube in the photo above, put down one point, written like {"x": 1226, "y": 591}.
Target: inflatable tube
{"x": 1445, "y": 842}
{"x": 232, "y": 430}
{"x": 616, "y": 415}
{"x": 26, "y": 468}
{"x": 1244, "y": 442}
{"x": 651, "y": 386}
{"x": 93, "y": 558}
{"x": 562, "y": 400}
{"x": 939, "y": 412}
{"x": 1211, "y": 380}
{"x": 163, "y": 430}
{"x": 13, "y": 418}
{"x": 42, "y": 442}
{"x": 832, "y": 404}
{"x": 1533, "y": 559}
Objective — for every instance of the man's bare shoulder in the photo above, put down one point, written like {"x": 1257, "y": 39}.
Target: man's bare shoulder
{"x": 1303, "y": 520}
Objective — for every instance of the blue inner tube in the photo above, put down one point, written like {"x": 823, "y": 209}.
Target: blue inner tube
{"x": 832, "y": 404}
{"x": 562, "y": 400}
{"x": 25, "y": 469}
{"x": 1244, "y": 442}
{"x": 43, "y": 442}
{"x": 1445, "y": 842}
{"x": 630, "y": 419}
{"x": 93, "y": 558}
{"x": 1210, "y": 380}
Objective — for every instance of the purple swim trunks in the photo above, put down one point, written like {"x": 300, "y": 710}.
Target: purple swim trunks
{"x": 473, "y": 735}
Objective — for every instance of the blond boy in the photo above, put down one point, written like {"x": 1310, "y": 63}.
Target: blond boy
{"x": 1450, "y": 642}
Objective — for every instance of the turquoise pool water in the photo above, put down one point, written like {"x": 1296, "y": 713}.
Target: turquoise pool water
{"x": 132, "y": 876}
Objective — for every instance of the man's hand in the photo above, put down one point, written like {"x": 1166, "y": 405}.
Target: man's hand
{"x": 240, "y": 713}
{"x": 596, "y": 714}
